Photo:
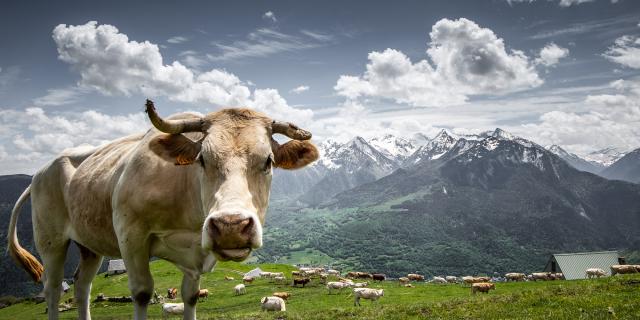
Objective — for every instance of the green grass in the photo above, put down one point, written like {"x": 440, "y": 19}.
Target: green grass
{"x": 580, "y": 299}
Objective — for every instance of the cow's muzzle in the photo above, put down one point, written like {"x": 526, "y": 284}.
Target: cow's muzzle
{"x": 231, "y": 236}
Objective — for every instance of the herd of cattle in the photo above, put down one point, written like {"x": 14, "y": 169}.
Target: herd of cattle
{"x": 360, "y": 290}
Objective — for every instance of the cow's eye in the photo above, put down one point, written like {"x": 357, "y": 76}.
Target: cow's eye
{"x": 268, "y": 164}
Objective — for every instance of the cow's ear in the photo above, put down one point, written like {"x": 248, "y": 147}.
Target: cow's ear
{"x": 295, "y": 154}
{"x": 176, "y": 148}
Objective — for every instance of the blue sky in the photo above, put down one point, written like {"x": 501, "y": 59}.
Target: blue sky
{"x": 561, "y": 71}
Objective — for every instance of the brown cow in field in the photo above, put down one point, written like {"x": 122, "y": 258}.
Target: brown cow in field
{"x": 282, "y": 295}
{"x": 378, "y": 277}
{"x": 172, "y": 293}
{"x": 203, "y": 293}
{"x": 415, "y": 277}
{"x": 247, "y": 279}
{"x": 624, "y": 269}
{"x": 482, "y": 287}
{"x": 194, "y": 189}
{"x": 302, "y": 281}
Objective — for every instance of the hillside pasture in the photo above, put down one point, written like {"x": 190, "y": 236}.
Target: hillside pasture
{"x": 615, "y": 297}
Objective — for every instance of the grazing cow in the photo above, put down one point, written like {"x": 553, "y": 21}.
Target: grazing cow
{"x": 482, "y": 287}
{"x": 282, "y": 295}
{"x": 337, "y": 286}
{"x": 470, "y": 280}
{"x": 352, "y": 274}
{"x": 203, "y": 293}
{"x": 333, "y": 272}
{"x": 240, "y": 289}
{"x": 514, "y": 276}
{"x": 172, "y": 309}
{"x": 403, "y": 280}
{"x": 415, "y": 277}
{"x": 483, "y": 279}
{"x": 227, "y": 278}
{"x": 595, "y": 272}
{"x": 265, "y": 274}
{"x": 365, "y": 275}
{"x": 378, "y": 277}
{"x": 192, "y": 190}
{"x": 296, "y": 273}
{"x": 439, "y": 280}
{"x": 623, "y": 269}
{"x": 451, "y": 279}
{"x": 280, "y": 279}
{"x": 172, "y": 293}
{"x": 559, "y": 276}
{"x": 273, "y": 304}
{"x": 302, "y": 281}
{"x": 360, "y": 284}
{"x": 247, "y": 279}
{"x": 540, "y": 276}
{"x": 366, "y": 293}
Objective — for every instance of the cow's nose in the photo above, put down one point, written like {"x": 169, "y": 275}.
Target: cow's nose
{"x": 231, "y": 231}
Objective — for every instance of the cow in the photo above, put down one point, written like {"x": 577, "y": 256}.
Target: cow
{"x": 378, "y": 277}
{"x": 515, "y": 276}
{"x": 403, "y": 280}
{"x": 282, "y": 295}
{"x": 540, "y": 276}
{"x": 273, "y": 304}
{"x": 337, "y": 286}
{"x": 366, "y": 293}
{"x": 451, "y": 279}
{"x": 415, "y": 277}
{"x": 279, "y": 279}
{"x": 439, "y": 280}
{"x": 594, "y": 272}
{"x": 172, "y": 293}
{"x": 194, "y": 189}
{"x": 296, "y": 273}
{"x": 623, "y": 269}
{"x": 203, "y": 293}
{"x": 172, "y": 309}
{"x": 247, "y": 279}
{"x": 302, "y": 281}
{"x": 239, "y": 289}
{"x": 333, "y": 272}
{"x": 228, "y": 278}
{"x": 482, "y": 287}
{"x": 359, "y": 284}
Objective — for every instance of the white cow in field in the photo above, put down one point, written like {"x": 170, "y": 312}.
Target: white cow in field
{"x": 172, "y": 309}
{"x": 333, "y": 272}
{"x": 240, "y": 289}
{"x": 595, "y": 272}
{"x": 337, "y": 285}
{"x": 439, "y": 280}
{"x": 273, "y": 304}
{"x": 451, "y": 279}
{"x": 367, "y": 293}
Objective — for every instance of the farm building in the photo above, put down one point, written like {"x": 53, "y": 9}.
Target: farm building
{"x": 574, "y": 265}
{"x": 116, "y": 267}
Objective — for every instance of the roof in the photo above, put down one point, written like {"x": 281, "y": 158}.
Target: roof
{"x": 253, "y": 273}
{"x": 574, "y": 265}
{"x": 116, "y": 265}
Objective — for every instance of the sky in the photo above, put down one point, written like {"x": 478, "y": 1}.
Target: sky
{"x": 564, "y": 72}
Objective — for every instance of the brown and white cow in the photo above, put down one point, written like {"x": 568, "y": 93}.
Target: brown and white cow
{"x": 192, "y": 190}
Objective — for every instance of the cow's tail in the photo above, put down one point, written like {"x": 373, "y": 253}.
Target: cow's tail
{"x": 17, "y": 252}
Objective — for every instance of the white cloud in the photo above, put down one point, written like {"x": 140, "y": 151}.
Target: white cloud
{"x": 269, "y": 15}
{"x": 59, "y": 97}
{"x": 111, "y": 63}
{"x": 177, "y": 39}
{"x": 551, "y": 54}
{"x": 625, "y": 51}
{"x": 467, "y": 60}
{"x": 300, "y": 89}
{"x": 266, "y": 41}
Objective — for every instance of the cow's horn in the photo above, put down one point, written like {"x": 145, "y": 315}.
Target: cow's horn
{"x": 290, "y": 130}
{"x": 172, "y": 126}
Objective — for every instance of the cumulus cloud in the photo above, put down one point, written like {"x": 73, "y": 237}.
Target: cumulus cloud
{"x": 114, "y": 65}
{"x": 551, "y": 54}
{"x": 300, "y": 89}
{"x": 269, "y": 15}
{"x": 625, "y": 51}
{"x": 466, "y": 60}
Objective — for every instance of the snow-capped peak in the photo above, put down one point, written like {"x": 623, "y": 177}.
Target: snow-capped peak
{"x": 433, "y": 149}
{"x": 393, "y": 147}
{"x": 501, "y": 134}
{"x": 606, "y": 156}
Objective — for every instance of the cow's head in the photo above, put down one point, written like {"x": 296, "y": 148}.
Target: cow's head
{"x": 235, "y": 153}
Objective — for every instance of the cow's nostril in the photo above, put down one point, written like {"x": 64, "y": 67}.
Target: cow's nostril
{"x": 248, "y": 226}
{"x": 214, "y": 231}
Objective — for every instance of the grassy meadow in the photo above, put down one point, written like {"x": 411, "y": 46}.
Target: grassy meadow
{"x": 607, "y": 298}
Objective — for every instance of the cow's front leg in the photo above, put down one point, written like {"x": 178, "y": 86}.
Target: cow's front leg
{"x": 140, "y": 280}
{"x": 190, "y": 289}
